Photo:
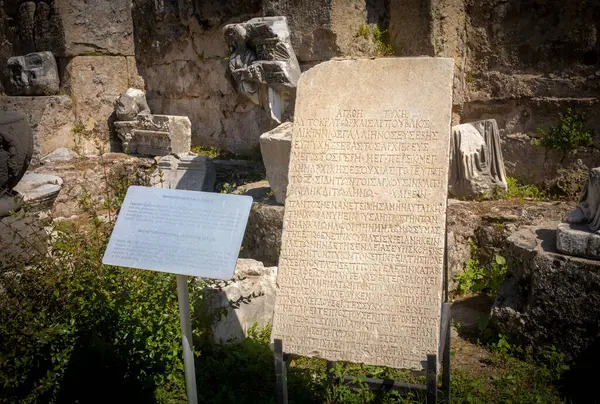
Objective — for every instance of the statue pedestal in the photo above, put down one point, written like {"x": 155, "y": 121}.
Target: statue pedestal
{"x": 577, "y": 240}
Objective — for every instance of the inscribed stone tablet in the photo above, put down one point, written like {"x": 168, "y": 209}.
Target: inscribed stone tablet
{"x": 181, "y": 232}
{"x": 362, "y": 256}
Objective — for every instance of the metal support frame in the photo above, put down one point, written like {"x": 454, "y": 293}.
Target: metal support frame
{"x": 430, "y": 388}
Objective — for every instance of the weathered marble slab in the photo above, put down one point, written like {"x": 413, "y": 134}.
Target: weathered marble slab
{"x": 361, "y": 265}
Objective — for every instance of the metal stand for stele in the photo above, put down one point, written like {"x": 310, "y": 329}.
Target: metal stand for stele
{"x": 431, "y": 388}
{"x": 186, "y": 336}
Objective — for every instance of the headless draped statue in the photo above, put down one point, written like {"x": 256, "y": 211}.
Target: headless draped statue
{"x": 476, "y": 163}
{"x": 579, "y": 236}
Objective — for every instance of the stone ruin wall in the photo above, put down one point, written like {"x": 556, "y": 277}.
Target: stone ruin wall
{"x": 518, "y": 62}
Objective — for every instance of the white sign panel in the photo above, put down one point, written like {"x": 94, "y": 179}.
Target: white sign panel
{"x": 182, "y": 232}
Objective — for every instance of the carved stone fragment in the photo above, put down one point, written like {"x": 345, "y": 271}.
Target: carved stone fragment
{"x": 155, "y": 135}
{"x": 131, "y": 104}
{"x": 263, "y": 64}
{"x": 32, "y": 74}
{"x": 143, "y": 133}
{"x": 476, "y": 163}
{"x": 16, "y": 148}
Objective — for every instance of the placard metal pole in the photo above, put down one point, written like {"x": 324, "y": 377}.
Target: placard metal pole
{"x": 186, "y": 335}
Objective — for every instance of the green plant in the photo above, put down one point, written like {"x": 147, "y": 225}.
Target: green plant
{"x": 515, "y": 190}
{"x": 228, "y": 188}
{"x": 568, "y": 135}
{"x": 476, "y": 278}
{"x": 437, "y": 48}
{"x": 379, "y": 36}
{"x": 364, "y": 31}
{"x": 210, "y": 152}
{"x": 382, "y": 41}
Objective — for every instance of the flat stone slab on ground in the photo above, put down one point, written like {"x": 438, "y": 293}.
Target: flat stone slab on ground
{"x": 361, "y": 264}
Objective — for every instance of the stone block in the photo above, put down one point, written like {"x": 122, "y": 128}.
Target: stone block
{"x": 191, "y": 172}
{"x": 323, "y": 29}
{"x": 275, "y": 148}
{"x": 577, "y": 240}
{"x": 32, "y": 74}
{"x": 548, "y": 299}
{"x": 262, "y": 240}
{"x": 96, "y": 26}
{"x": 156, "y": 135}
{"x": 96, "y": 82}
{"x": 251, "y": 279}
{"x": 51, "y": 120}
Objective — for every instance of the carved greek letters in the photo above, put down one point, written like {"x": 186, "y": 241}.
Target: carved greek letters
{"x": 360, "y": 273}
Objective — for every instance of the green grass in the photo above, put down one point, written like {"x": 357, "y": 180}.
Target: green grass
{"x": 210, "y": 152}
{"x": 379, "y": 36}
{"x": 478, "y": 278}
{"x": 515, "y": 190}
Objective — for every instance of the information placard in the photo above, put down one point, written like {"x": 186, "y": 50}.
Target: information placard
{"x": 182, "y": 232}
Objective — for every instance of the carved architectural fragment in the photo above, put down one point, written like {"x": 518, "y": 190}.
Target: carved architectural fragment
{"x": 263, "y": 64}
{"x": 32, "y": 74}
{"x": 144, "y": 133}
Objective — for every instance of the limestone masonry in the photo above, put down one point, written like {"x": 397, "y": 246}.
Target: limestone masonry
{"x": 361, "y": 264}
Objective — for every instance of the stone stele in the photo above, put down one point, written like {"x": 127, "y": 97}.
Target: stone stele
{"x": 362, "y": 255}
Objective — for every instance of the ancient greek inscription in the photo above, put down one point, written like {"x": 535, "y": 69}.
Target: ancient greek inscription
{"x": 183, "y": 232}
{"x": 360, "y": 273}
